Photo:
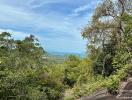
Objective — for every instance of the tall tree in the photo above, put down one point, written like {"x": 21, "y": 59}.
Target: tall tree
{"x": 106, "y": 30}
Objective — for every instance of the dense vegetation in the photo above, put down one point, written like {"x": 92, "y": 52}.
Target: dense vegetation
{"x": 24, "y": 73}
{"x": 109, "y": 36}
{"x": 28, "y": 73}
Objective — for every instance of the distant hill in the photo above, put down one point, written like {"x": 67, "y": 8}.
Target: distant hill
{"x": 65, "y": 54}
{"x": 59, "y": 57}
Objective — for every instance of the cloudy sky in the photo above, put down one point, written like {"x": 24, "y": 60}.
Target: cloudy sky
{"x": 56, "y": 23}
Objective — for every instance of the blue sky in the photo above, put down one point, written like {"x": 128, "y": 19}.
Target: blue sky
{"x": 56, "y": 23}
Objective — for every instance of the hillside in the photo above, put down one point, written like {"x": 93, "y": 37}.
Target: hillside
{"x": 30, "y": 71}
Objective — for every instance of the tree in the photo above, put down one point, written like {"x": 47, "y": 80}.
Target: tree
{"x": 106, "y": 23}
{"x": 71, "y": 70}
{"x": 23, "y": 74}
{"x": 106, "y": 31}
{"x": 31, "y": 49}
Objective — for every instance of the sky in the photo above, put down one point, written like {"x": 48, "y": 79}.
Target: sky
{"x": 56, "y": 23}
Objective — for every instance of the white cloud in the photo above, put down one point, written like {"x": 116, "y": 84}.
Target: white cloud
{"x": 58, "y": 23}
{"x": 40, "y": 3}
{"x": 88, "y": 6}
{"x": 80, "y": 9}
{"x": 76, "y": 12}
{"x": 16, "y": 34}
{"x": 54, "y": 22}
{"x": 19, "y": 18}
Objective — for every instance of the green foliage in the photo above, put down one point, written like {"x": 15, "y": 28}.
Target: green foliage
{"x": 23, "y": 73}
{"x": 72, "y": 61}
{"x": 113, "y": 85}
{"x": 77, "y": 70}
{"x": 32, "y": 83}
{"x": 71, "y": 70}
{"x": 109, "y": 38}
{"x": 103, "y": 62}
{"x": 93, "y": 84}
{"x": 27, "y": 72}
